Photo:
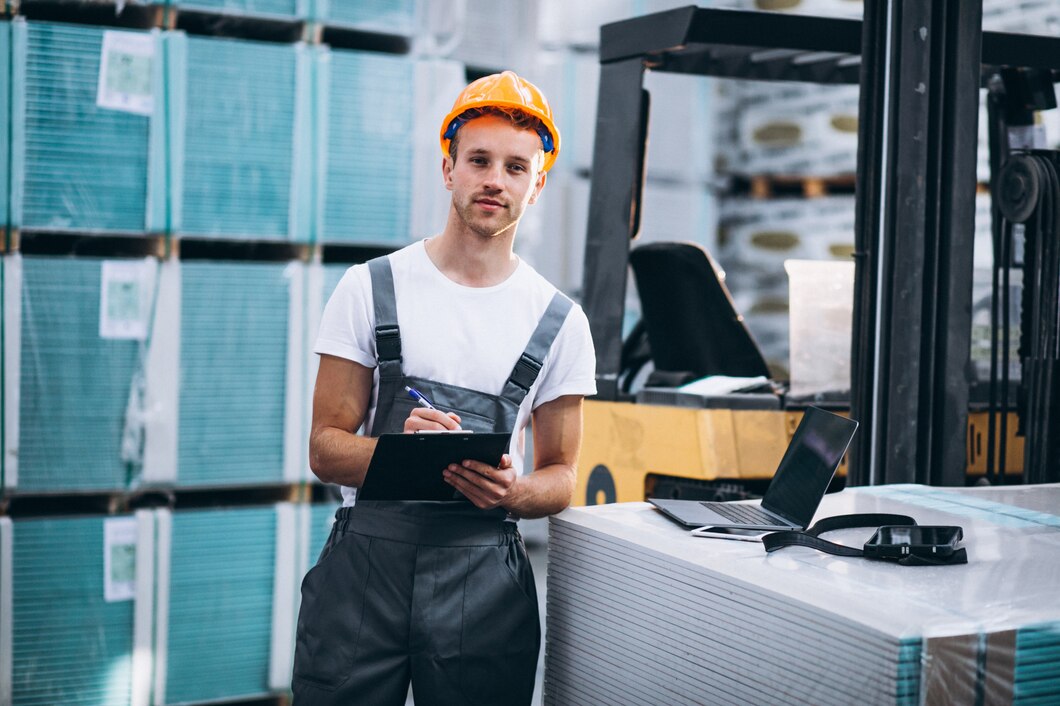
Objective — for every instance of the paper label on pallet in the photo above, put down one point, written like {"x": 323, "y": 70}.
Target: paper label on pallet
{"x": 125, "y": 72}
{"x": 119, "y": 559}
{"x": 125, "y": 294}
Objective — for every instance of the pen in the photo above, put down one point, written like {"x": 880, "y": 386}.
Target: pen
{"x": 418, "y": 396}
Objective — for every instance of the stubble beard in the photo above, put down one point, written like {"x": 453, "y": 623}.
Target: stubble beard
{"x": 486, "y": 228}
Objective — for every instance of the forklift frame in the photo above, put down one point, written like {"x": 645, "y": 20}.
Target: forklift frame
{"x": 920, "y": 64}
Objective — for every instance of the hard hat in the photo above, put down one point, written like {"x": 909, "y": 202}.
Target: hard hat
{"x": 510, "y": 91}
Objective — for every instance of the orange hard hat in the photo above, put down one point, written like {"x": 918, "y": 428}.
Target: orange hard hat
{"x": 509, "y": 91}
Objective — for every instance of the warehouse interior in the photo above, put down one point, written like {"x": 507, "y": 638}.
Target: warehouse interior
{"x": 185, "y": 183}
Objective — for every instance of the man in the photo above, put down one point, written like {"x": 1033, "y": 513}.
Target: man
{"x": 442, "y": 593}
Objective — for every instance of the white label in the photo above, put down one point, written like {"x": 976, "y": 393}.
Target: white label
{"x": 125, "y": 72}
{"x": 125, "y": 294}
{"x": 119, "y": 559}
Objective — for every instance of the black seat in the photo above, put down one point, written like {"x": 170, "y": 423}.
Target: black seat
{"x": 692, "y": 325}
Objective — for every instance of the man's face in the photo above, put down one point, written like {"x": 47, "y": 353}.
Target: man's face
{"x": 496, "y": 174}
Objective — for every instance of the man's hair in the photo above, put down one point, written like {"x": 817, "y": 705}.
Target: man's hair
{"x": 519, "y": 119}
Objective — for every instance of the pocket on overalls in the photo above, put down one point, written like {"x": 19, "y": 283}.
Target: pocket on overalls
{"x": 501, "y": 633}
{"x": 331, "y": 613}
{"x": 475, "y": 409}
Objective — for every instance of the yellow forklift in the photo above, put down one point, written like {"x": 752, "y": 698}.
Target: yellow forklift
{"x": 923, "y": 419}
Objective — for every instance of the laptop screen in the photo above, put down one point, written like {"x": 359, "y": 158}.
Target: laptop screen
{"x": 808, "y": 465}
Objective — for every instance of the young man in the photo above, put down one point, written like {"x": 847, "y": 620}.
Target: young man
{"x": 442, "y": 594}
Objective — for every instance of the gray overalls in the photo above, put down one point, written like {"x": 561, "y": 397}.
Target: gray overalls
{"x": 439, "y": 592}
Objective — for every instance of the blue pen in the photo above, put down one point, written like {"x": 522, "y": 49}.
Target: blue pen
{"x": 418, "y": 396}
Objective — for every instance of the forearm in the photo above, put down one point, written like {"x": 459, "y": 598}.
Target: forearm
{"x": 339, "y": 456}
{"x": 544, "y": 492}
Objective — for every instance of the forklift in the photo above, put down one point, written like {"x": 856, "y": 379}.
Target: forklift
{"x": 920, "y": 65}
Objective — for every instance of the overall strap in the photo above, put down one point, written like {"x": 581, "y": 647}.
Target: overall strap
{"x": 387, "y": 339}
{"x": 529, "y": 364}
{"x": 809, "y": 538}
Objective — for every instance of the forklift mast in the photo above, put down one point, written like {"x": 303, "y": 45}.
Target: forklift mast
{"x": 920, "y": 65}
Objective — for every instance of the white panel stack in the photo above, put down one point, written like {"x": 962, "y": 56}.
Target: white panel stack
{"x": 492, "y": 34}
{"x": 757, "y": 236}
{"x": 639, "y": 611}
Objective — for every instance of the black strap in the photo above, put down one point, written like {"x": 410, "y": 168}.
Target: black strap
{"x": 809, "y": 538}
{"x": 387, "y": 340}
{"x": 528, "y": 367}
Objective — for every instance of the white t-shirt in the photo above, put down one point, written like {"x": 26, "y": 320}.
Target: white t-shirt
{"x": 465, "y": 336}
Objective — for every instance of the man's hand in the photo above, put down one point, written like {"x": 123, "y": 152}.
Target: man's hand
{"x": 423, "y": 419}
{"x": 485, "y": 486}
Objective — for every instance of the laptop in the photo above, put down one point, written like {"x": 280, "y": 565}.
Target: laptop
{"x": 796, "y": 490}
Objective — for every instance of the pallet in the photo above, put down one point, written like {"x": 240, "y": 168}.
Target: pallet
{"x": 767, "y": 186}
{"x": 242, "y": 250}
{"x": 352, "y": 254}
{"x": 107, "y": 503}
{"x": 34, "y": 242}
{"x": 95, "y": 12}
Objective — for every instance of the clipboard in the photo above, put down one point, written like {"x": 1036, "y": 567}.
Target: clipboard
{"x": 409, "y": 466}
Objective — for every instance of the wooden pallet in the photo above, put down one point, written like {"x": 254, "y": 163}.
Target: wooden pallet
{"x": 767, "y": 186}
{"x": 40, "y": 242}
{"x": 95, "y": 12}
{"x": 55, "y": 504}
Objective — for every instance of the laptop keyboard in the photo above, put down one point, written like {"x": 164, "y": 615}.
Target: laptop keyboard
{"x": 749, "y": 514}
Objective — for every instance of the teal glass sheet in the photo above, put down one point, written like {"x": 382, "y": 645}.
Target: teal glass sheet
{"x": 909, "y": 653}
{"x": 390, "y": 16}
{"x": 1037, "y": 674}
{"x": 238, "y": 139}
{"x": 69, "y": 646}
{"x": 6, "y": 80}
{"x": 250, "y": 8}
{"x": 86, "y": 167}
{"x": 368, "y": 193}
{"x": 75, "y": 384}
{"x": 333, "y": 274}
{"x": 222, "y": 565}
{"x": 233, "y": 368}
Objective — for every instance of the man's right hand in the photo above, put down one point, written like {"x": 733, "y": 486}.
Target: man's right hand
{"x": 423, "y": 419}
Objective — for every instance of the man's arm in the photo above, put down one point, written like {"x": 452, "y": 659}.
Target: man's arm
{"x": 337, "y": 454}
{"x": 557, "y": 442}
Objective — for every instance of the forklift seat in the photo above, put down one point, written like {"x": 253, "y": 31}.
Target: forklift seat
{"x": 692, "y": 324}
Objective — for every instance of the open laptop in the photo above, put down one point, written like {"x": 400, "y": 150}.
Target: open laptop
{"x": 797, "y": 487}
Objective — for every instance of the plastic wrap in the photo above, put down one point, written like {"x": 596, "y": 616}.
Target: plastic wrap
{"x": 387, "y": 16}
{"x": 369, "y": 149}
{"x": 237, "y": 111}
{"x": 77, "y": 349}
{"x": 277, "y": 9}
{"x": 216, "y": 579}
{"x": 798, "y": 626}
{"x": 55, "y": 577}
{"x": 80, "y": 160}
{"x": 233, "y": 373}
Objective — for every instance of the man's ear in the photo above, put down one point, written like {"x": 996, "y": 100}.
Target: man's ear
{"x": 539, "y": 186}
{"x": 447, "y": 172}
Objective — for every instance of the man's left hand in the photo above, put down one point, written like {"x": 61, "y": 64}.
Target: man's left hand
{"x": 485, "y": 486}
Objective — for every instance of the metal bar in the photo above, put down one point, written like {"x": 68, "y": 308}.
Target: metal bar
{"x": 675, "y": 29}
{"x": 957, "y": 130}
{"x": 903, "y": 282}
{"x": 872, "y": 172}
{"x": 614, "y": 199}
{"x": 911, "y": 384}
{"x": 1024, "y": 50}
